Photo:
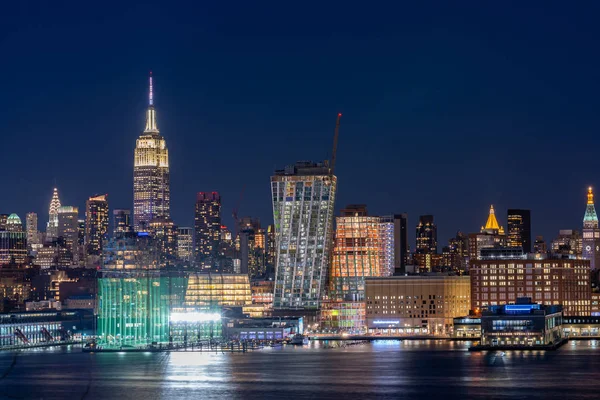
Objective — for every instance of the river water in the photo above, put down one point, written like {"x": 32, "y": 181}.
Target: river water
{"x": 382, "y": 369}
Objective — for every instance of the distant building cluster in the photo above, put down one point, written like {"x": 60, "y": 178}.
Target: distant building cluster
{"x": 348, "y": 272}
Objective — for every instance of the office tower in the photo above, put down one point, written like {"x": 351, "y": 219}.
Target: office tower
{"x": 252, "y": 256}
{"x": 68, "y": 230}
{"x": 360, "y": 251}
{"x": 33, "y": 236}
{"x": 96, "y": 224}
{"x": 547, "y": 281}
{"x": 121, "y": 221}
{"x": 13, "y": 241}
{"x": 207, "y": 226}
{"x": 14, "y": 224}
{"x": 400, "y": 237}
{"x": 568, "y": 242}
{"x": 519, "y": 229}
{"x": 185, "y": 244}
{"x": 261, "y": 239}
{"x": 52, "y": 226}
{"x": 303, "y": 201}
{"x": 151, "y": 192}
{"x": 426, "y": 235}
{"x": 591, "y": 233}
{"x": 491, "y": 235}
{"x": 3, "y": 219}
{"x": 164, "y": 232}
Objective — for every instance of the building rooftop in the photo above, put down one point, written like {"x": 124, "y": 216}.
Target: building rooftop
{"x": 305, "y": 168}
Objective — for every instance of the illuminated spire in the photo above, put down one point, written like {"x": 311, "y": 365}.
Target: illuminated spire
{"x": 590, "y": 219}
{"x": 54, "y": 203}
{"x": 52, "y": 226}
{"x": 492, "y": 222}
{"x": 151, "y": 126}
{"x": 150, "y": 92}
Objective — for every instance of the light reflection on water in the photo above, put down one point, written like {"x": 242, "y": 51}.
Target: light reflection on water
{"x": 321, "y": 369}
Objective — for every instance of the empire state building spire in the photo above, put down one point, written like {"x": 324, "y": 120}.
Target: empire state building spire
{"x": 151, "y": 186}
{"x": 151, "y": 126}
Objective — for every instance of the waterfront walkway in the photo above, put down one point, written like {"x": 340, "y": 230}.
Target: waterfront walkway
{"x": 390, "y": 337}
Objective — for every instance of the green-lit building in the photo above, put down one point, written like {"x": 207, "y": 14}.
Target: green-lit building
{"x": 137, "y": 308}
{"x": 140, "y": 307}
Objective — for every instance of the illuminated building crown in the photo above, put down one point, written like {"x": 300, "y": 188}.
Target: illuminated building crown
{"x": 590, "y": 219}
{"x": 492, "y": 224}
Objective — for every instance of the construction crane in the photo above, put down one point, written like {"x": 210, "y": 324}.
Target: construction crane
{"x": 234, "y": 214}
{"x": 335, "y": 142}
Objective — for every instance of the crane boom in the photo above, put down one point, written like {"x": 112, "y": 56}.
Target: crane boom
{"x": 335, "y": 142}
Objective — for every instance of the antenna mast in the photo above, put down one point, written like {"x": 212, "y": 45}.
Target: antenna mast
{"x": 335, "y": 142}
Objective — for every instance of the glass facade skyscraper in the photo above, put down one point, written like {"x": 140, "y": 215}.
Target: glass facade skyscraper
{"x": 426, "y": 235}
{"x": 96, "y": 223}
{"x": 303, "y": 199}
{"x": 519, "y": 229}
{"x": 68, "y": 230}
{"x": 207, "y": 225}
{"x": 361, "y": 250}
{"x": 151, "y": 190}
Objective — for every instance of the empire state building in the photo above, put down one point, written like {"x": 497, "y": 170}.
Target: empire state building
{"x": 151, "y": 193}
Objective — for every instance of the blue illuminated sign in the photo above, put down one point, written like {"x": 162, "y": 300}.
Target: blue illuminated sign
{"x": 521, "y": 307}
{"x": 378, "y": 322}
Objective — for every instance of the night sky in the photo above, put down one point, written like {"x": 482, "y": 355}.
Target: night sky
{"x": 446, "y": 110}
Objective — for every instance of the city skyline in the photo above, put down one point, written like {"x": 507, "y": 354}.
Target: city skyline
{"x": 408, "y": 109}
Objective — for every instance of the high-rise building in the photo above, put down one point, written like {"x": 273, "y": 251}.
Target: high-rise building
{"x": 360, "y": 251}
{"x": 519, "y": 229}
{"x": 185, "y": 244}
{"x": 96, "y": 224}
{"x": 81, "y": 238}
{"x": 14, "y": 224}
{"x": 52, "y": 226}
{"x": 31, "y": 226}
{"x": 426, "y": 235}
{"x": 3, "y": 220}
{"x": 121, "y": 221}
{"x": 303, "y": 202}
{"x": 591, "y": 233}
{"x": 13, "y": 241}
{"x": 207, "y": 226}
{"x": 164, "y": 232}
{"x": 400, "y": 237}
{"x": 252, "y": 255}
{"x": 546, "y": 281}
{"x": 491, "y": 235}
{"x": 68, "y": 230}
{"x": 151, "y": 189}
